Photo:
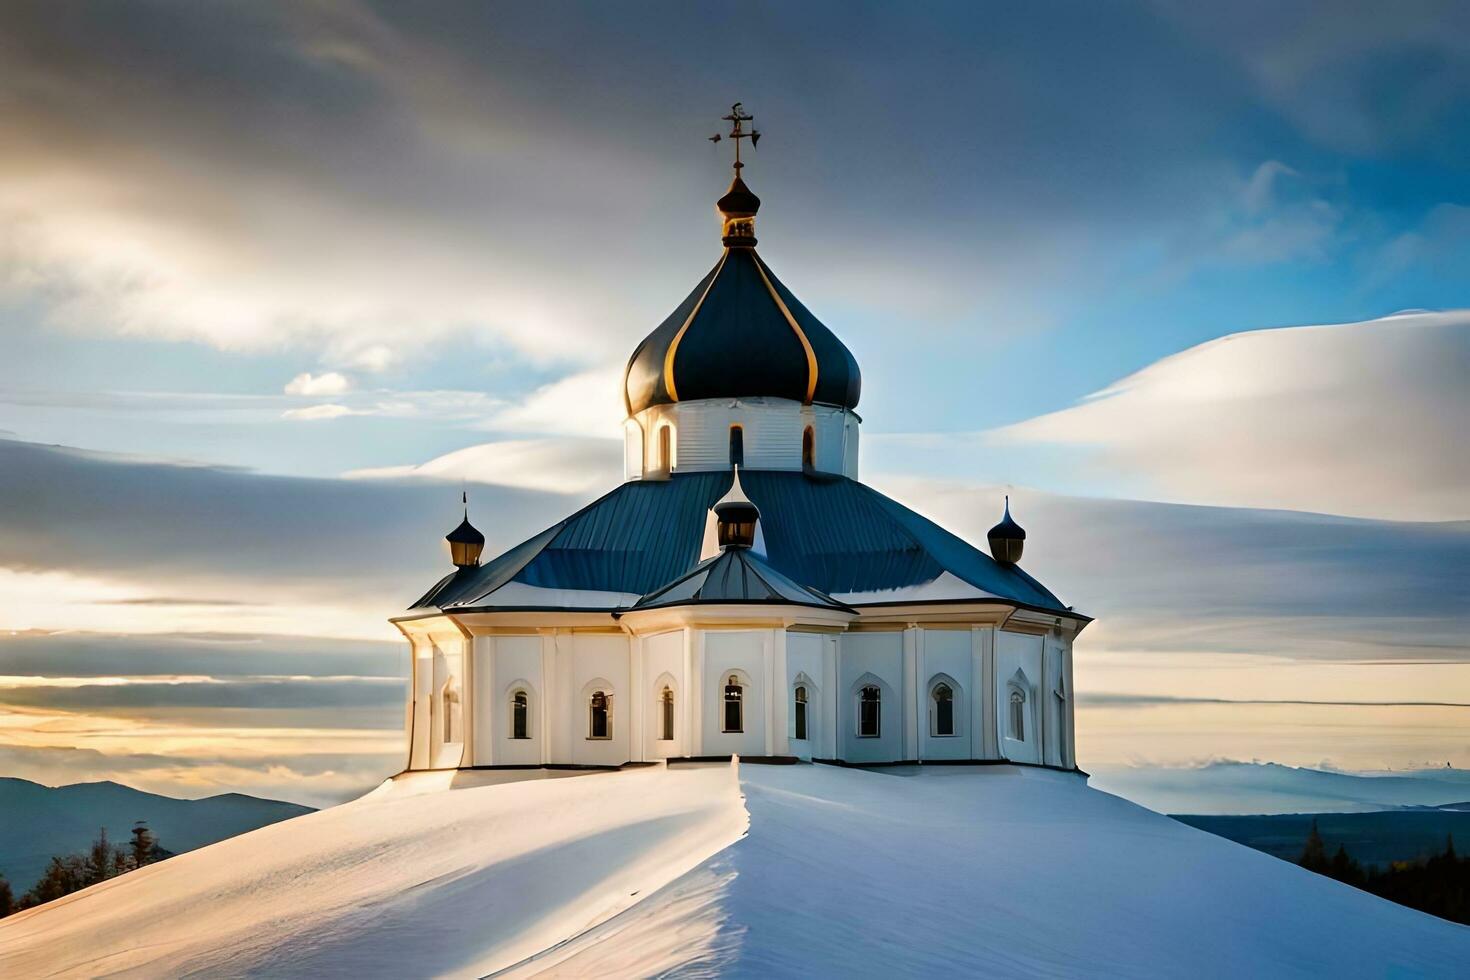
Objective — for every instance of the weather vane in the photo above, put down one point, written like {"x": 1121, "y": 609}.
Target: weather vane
{"x": 737, "y": 117}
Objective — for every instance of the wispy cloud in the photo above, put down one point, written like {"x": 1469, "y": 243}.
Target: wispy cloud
{"x": 1356, "y": 419}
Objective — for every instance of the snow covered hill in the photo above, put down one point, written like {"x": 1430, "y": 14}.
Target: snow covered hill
{"x": 991, "y": 871}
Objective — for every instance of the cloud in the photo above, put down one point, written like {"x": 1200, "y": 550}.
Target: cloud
{"x": 567, "y": 465}
{"x": 1359, "y": 419}
{"x": 316, "y": 413}
{"x": 588, "y": 403}
{"x": 329, "y": 383}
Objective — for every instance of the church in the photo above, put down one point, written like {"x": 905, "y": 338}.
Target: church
{"x": 742, "y": 592}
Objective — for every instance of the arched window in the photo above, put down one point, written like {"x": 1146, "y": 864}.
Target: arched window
{"x": 666, "y": 715}
{"x": 665, "y": 448}
{"x": 599, "y": 716}
{"x": 870, "y": 711}
{"x": 450, "y": 701}
{"x": 808, "y": 448}
{"x": 1018, "y": 715}
{"x": 737, "y": 445}
{"x": 943, "y": 710}
{"x": 800, "y": 711}
{"x": 734, "y": 706}
{"x": 520, "y": 715}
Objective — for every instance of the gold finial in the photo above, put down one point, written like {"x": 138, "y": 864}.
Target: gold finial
{"x": 738, "y": 207}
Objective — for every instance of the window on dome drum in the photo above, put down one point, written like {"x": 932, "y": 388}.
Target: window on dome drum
{"x": 734, "y": 706}
{"x": 943, "y": 710}
{"x": 808, "y": 448}
{"x": 599, "y": 716}
{"x": 665, "y": 448}
{"x": 1018, "y": 716}
{"x": 737, "y": 445}
{"x": 870, "y": 711}
{"x": 666, "y": 715}
{"x": 800, "y": 713}
{"x": 520, "y": 714}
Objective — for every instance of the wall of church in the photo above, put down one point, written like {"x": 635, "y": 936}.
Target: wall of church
{"x": 870, "y": 660}
{"x": 743, "y": 656}
{"x": 1018, "y": 693}
{"x": 504, "y": 667}
{"x": 809, "y": 659}
{"x": 772, "y": 434}
{"x": 663, "y": 666}
{"x": 593, "y": 662}
{"x": 947, "y": 662}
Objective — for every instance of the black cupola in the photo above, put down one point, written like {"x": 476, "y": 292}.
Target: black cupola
{"x": 465, "y": 542}
{"x": 1007, "y": 539}
{"x": 736, "y": 517}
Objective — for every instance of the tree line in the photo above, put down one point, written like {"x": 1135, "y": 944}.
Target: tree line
{"x": 73, "y": 872}
{"x": 1439, "y": 885}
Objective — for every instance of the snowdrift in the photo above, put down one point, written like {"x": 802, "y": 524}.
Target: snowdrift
{"x": 993, "y": 871}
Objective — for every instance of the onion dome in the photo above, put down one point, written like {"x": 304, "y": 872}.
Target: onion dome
{"x": 1007, "y": 539}
{"x": 741, "y": 334}
{"x": 736, "y": 517}
{"x": 465, "y": 542}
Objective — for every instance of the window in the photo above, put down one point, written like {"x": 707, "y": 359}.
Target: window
{"x": 870, "y": 711}
{"x": 520, "y": 724}
{"x": 800, "y": 712}
{"x": 943, "y": 710}
{"x": 599, "y": 720}
{"x": 809, "y": 449}
{"x": 665, "y": 448}
{"x": 450, "y": 701}
{"x": 666, "y": 715}
{"x": 737, "y": 445}
{"x": 734, "y": 706}
{"x": 1018, "y": 716}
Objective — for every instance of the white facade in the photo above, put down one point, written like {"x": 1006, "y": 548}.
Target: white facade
{"x": 500, "y": 690}
{"x": 775, "y": 434}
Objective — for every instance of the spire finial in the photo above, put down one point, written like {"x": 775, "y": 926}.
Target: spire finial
{"x": 738, "y": 207}
{"x": 737, "y": 118}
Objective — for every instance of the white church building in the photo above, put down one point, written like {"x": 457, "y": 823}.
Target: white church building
{"x": 742, "y": 592}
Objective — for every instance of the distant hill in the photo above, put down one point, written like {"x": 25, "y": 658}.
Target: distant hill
{"x": 1374, "y": 839}
{"x": 1267, "y": 787}
{"x": 41, "y": 821}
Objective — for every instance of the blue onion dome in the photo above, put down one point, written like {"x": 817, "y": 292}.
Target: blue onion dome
{"x": 1007, "y": 539}
{"x": 741, "y": 334}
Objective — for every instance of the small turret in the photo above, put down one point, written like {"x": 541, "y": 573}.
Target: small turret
{"x": 736, "y": 517}
{"x": 465, "y": 542}
{"x": 1007, "y": 539}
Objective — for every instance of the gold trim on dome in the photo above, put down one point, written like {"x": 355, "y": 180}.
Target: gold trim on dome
{"x": 674, "y": 347}
{"x": 811, "y": 355}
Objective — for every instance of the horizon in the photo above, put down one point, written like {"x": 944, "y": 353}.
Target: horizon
{"x": 280, "y": 282}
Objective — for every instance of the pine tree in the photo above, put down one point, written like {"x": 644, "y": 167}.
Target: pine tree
{"x": 144, "y": 845}
{"x": 7, "y": 898}
{"x": 101, "y": 862}
{"x": 1314, "y": 854}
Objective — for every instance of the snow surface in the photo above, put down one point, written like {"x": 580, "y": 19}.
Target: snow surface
{"x": 959, "y": 871}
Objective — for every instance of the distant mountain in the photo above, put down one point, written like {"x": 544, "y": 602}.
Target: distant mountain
{"x": 1374, "y": 839}
{"x": 41, "y": 821}
{"x": 1257, "y": 787}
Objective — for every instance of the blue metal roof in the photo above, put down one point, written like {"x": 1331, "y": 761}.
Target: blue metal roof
{"x": 735, "y": 576}
{"x": 827, "y": 533}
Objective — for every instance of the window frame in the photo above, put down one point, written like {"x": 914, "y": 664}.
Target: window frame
{"x": 1017, "y": 715}
{"x": 877, "y": 702}
{"x": 737, "y": 445}
{"x": 666, "y": 716}
{"x": 726, "y": 701}
{"x": 799, "y": 713}
{"x": 607, "y": 717}
{"x": 935, "y": 729}
{"x": 520, "y": 715}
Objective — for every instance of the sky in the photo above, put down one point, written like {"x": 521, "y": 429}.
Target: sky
{"x": 277, "y": 279}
